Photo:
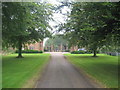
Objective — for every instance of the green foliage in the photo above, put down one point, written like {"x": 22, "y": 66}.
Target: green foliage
{"x": 67, "y": 50}
{"x": 56, "y": 40}
{"x": 24, "y": 23}
{"x": 93, "y": 25}
{"x": 7, "y": 51}
{"x": 83, "y": 52}
{"x": 78, "y": 52}
{"x": 89, "y": 51}
{"x": 30, "y": 51}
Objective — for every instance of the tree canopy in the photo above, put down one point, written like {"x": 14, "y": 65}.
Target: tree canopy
{"x": 56, "y": 40}
{"x": 24, "y": 23}
{"x": 93, "y": 25}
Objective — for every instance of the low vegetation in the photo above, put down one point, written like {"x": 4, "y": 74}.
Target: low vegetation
{"x": 30, "y": 51}
{"x": 18, "y": 73}
{"x": 103, "y": 68}
{"x": 81, "y": 52}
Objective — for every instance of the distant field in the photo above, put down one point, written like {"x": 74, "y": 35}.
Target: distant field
{"x": 103, "y": 68}
{"x": 17, "y": 72}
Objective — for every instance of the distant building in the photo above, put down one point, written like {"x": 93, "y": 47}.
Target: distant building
{"x": 58, "y": 48}
{"x": 36, "y": 46}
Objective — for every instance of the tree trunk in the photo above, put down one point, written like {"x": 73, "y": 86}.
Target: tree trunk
{"x": 20, "y": 50}
{"x": 94, "y": 53}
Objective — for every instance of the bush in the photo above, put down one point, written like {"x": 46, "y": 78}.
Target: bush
{"x": 30, "y": 51}
{"x": 67, "y": 50}
{"x": 45, "y": 50}
{"x": 88, "y": 52}
{"x": 83, "y": 52}
{"x": 78, "y": 52}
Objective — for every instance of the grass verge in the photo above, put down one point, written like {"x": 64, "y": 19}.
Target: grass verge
{"x": 22, "y": 72}
{"x": 103, "y": 68}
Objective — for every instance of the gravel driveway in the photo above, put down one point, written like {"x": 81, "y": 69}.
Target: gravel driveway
{"x": 59, "y": 73}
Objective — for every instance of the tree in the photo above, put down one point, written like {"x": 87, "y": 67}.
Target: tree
{"x": 91, "y": 24}
{"x": 56, "y": 40}
{"x": 24, "y": 23}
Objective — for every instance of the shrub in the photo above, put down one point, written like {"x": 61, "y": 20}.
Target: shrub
{"x": 30, "y": 51}
{"x": 45, "y": 50}
{"x": 78, "y": 52}
{"x": 88, "y": 52}
{"x": 67, "y": 50}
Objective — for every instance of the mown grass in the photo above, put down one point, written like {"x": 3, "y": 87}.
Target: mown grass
{"x": 18, "y": 71}
{"x": 103, "y": 68}
{"x": 0, "y": 71}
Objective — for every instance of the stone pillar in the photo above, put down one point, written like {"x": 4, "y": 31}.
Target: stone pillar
{"x": 71, "y": 49}
{"x": 61, "y": 47}
{"x": 74, "y": 48}
{"x": 41, "y": 46}
{"x": 52, "y": 48}
{"x": 66, "y": 47}
{"x": 49, "y": 48}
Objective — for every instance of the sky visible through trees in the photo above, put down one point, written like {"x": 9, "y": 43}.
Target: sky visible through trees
{"x": 90, "y": 25}
{"x": 76, "y": 20}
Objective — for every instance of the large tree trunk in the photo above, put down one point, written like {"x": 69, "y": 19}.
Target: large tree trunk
{"x": 20, "y": 50}
{"x": 94, "y": 53}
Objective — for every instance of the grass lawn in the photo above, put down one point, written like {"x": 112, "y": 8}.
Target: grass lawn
{"x": 18, "y": 72}
{"x": 0, "y": 71}
{"x": 103, "y": 68}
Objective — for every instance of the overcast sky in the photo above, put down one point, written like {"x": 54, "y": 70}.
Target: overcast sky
{"x": 58, "y": 17}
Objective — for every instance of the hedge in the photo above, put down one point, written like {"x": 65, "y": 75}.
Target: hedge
{"x": 30, "y": 51}
{"x": 83, "y": 52}
{"x": 78, "y": 52}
